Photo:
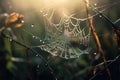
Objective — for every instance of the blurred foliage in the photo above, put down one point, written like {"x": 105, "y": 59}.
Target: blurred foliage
{"x": 19, "y": 63}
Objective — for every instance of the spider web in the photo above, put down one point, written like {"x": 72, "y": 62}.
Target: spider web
{"x": 67, "y": 37}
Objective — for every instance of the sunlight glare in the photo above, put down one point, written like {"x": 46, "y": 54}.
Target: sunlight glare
{"x": 57, "y": 2}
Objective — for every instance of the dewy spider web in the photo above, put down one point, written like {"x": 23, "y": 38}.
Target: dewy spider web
{"x": 67, "y": 38}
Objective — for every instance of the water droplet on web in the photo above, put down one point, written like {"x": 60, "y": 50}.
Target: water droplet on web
{"x": 36, "y": 37}
{"x": 95, "y": 53}
{"x": 10, "y": 40}
{"x": 43, "y": 42}
{"x": 22, "y": 21}
{"x": 94, "y": 8}
{"x": 95, "y": 4}
{"x": 45, "y": 49}
{"x": 33, "y": 36}
{"x": 48, "y": 51}
{"x": 100, "y": 16}
{"x": 59, "y": 45}
{"x": 46, "y": 14}
{"x": 41, "y": 11}
{"x": 38, "y": 66}
{"x": 46, "y": 65}
{"x": 32, "y": 25}
{"x": 40, "y": 40}
{"x": 37, "y": 54}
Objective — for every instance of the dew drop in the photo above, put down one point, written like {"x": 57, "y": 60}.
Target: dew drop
{"x": 33, "y": 36}
{"x": 22, "y": 21}
{"x": 43, "y": 42}
{"x": 45, "y": 49}
{"x": 10, "y": 40}
{"x": 46, "y": 64}
{"x": 48, "y": 51}
{"x": 37, "y": 55}
{"x": 95, "y": 8}
{"x": 40, "y": 40}
{"x": 100, "y": 16}
{"x": 36, "y": 37}
{"x": 32, "y": 25}
{"x": 95, "y": 4}
{"x": 46, "y": 14}
{"x": 41, "y": 11}
{"x": 95, "y": 53}
{"x": 37, "y": 67}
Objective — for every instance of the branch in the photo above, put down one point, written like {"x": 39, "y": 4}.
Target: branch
{"x": 110, "y": 63}
{"x": 114, "y": 26}
{"x": 95, "y": 36}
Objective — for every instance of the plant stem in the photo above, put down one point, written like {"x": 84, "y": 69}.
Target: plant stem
{"x": 95, "y": 36}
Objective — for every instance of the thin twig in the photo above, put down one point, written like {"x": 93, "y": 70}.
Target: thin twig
{"x": 90, "y": 21}
{"x": 115, "y": 28}
{"x": 109, "y": 64}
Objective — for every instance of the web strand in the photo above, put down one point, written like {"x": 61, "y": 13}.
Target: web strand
{"x": 67, "y": 38}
